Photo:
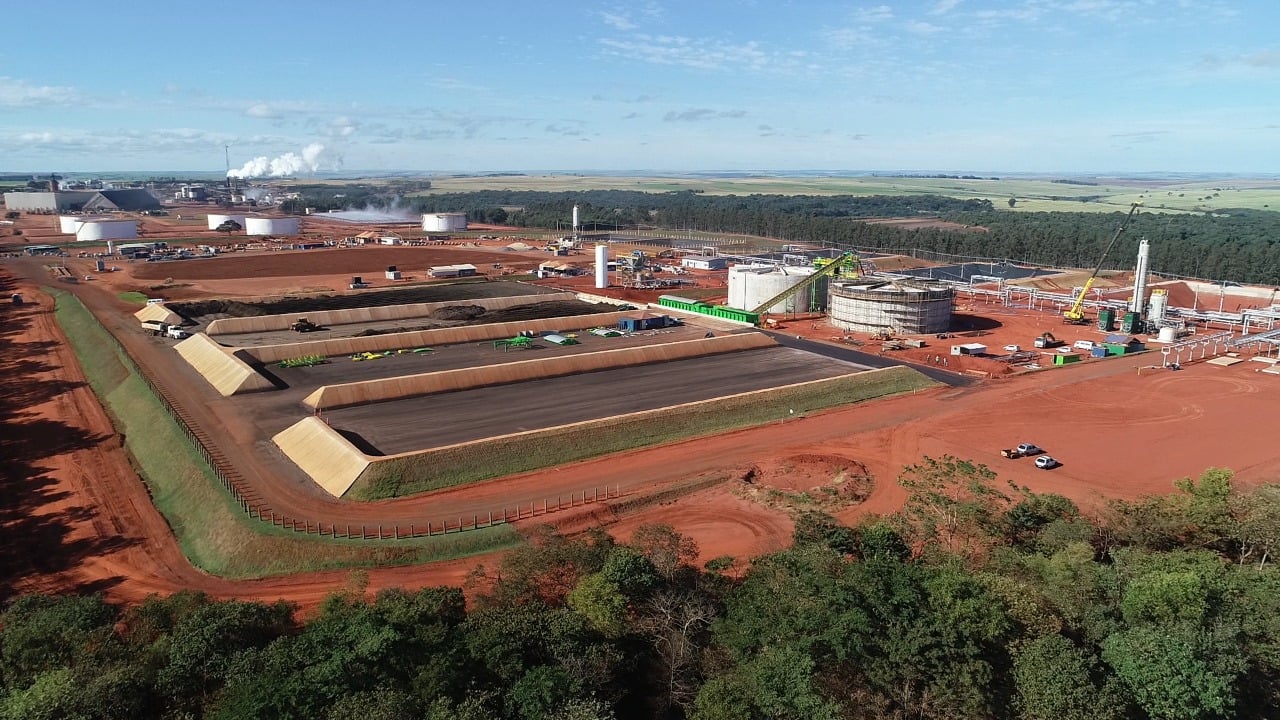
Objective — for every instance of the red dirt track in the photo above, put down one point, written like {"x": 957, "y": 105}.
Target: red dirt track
{"x": 1118, "y": 432}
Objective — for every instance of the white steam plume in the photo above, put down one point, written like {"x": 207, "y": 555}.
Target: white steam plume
{"x": 283, "y": 166}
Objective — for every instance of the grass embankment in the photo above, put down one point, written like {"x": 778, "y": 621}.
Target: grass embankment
{"x": 459, "y": 464}
{"x": 133, "y": 298}
{"x": 211, "y": 529}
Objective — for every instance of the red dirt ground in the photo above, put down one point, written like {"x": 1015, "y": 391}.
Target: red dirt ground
{"x": 1118, "y": 434}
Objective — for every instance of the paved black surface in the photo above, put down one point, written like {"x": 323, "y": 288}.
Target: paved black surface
{"x": 436, "y": 420}
{"x": 837, "y": 352}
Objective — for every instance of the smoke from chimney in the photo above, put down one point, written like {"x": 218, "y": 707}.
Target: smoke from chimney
{"x": 283, "y": 166}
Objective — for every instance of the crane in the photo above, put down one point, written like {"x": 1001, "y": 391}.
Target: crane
{"x": 1075, "y": 315}
{"x": 828, "y": 269}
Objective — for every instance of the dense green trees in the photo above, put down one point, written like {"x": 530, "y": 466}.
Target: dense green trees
{"x": 977, "y": 600}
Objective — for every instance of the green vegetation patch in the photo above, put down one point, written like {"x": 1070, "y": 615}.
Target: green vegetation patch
{"x": 470, "y": 462}
{"x": 133, "y": 298}
{"x": 212, "y": 531}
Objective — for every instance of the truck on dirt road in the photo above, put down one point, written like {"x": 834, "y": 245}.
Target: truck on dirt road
{"x": 164, "y": 329}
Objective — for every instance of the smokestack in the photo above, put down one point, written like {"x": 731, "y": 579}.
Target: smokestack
{"x": 575, "y": 219}
{"x": 602, "y": 265}
{"x": 1139, "y": 303}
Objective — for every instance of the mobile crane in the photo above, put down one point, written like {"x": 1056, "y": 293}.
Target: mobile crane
{"x": 1075, "y": 316}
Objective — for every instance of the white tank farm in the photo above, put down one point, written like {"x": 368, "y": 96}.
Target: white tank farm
{"x": 107, "y": 230}
{"x": 901, "y": 307}
{"x": 444, "y": 222}
{"x": 68, "y": 224}
{"x": 751, "y": 285}
{"x": 217, "y": 219}
{"x": 271, "y": 226}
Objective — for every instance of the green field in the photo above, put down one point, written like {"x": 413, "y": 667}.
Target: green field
{"x": 213, "y": 532}
{"x": 1032, "y": 194}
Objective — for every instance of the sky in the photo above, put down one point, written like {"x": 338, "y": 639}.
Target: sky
{"x": 1052, "y": 86}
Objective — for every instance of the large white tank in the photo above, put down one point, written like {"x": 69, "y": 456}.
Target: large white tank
{"x": 754, "y": 284}
{"x": 1167, "y": 335}
{"x": 271, "y": 226}
{"x": 107, "y": 230}
{"x": 602, "y": 266}
{"x": 444, "y": 222}
{"x": 215, "y": 220}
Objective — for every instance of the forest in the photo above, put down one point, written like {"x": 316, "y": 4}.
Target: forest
{"x": 1234, "y": 245}
{"x": 978, "y": 599}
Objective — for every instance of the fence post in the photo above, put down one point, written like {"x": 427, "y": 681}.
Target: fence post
{"x": 474, "y": 524}
{"x": 557, "y": 502}
{"x": 362, "y": 532}
{"x": 412, "y": 532}
{"x": 490, "y": 517}
{"x": 379, "y": 532}
{"x": 428, "y": 528}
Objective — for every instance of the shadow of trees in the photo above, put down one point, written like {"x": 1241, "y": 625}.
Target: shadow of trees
{"x": 38, "y": 515}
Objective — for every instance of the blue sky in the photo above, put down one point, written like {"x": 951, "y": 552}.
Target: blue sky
{"x": 695, "y": 85}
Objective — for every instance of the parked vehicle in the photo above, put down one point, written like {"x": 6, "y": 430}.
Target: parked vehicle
{"x": 155, "y": 327}
{"x": 1044, "y": 462}
{"x": 177, "y": 333}
{"x": 304, "y": 325}
{"x": 1023, "y": 450}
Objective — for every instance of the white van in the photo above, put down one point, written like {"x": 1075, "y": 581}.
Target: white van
{"x": 1085, "y": 345}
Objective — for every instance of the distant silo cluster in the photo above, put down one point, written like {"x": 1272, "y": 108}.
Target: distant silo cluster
{"x": 900, "y": 307}
{"x": 751, "y": 285}
{"x": 444, "y": 222}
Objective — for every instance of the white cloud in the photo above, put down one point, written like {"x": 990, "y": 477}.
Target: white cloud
{"x": 688, "y": 52}
{"x": 619, "y": 21}
{"x": 880, "y": 13}
{"x": 922, "y": 28}
{"x": 19, "y": 93}
{"x": 696, "y": 114}
{"x": 279, "y": 109}
{"x": 942, "y": 7}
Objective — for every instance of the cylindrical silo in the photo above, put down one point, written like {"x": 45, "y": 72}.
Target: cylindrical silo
{"x": 271, "y": 226}
{"x": 444, "y": 222}
{"x": 216, "y": 220}
{"x": 751, "y": 285}
{"x": 1167, "y": 335}
{"x": 602, "y": 266}
{"x": 900, "y": 307}
{"x": 107, "y": 230}
{"x": 1159, "y": 305}
{"x": 67, "y": 224}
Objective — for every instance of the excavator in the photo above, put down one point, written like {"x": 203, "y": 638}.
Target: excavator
{"x": 1075, "y": 316}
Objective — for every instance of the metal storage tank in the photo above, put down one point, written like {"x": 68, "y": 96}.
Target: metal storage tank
{"x": 271, "y": 226}
{"x": 754, "y": 284}
{"x": 67, "y": 224}
{"x": 602, "y": 266}
{"x": 444, "y": 222}
{"x": 107, "y": 230}
{"x": 1159, "y": 306}
{"x": 1168, "y": 335}
{"x": 901, "y": 307}
{"x": 216, "y": 220}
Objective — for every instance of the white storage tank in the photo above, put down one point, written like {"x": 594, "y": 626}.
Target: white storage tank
{"x": 67, "y": 224}
{"x": 271, "y": 226}
{"x": 901, "y": 307}
{"x": 1167, "y": 335}
{"x": 754, "y": 284}
{"x": 1159, "y": 306}
{"x": 107, "y": 230}
{"x": 215, "y": 220}
{"x": 444, "y": 222}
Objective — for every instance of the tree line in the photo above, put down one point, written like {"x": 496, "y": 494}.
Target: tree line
{"x": 977, "y": 600}
{"x": 1232, "y": 244}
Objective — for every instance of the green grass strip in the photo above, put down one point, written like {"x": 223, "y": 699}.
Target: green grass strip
{"x": 213, "y": 532}
{"x": 133, "y": 298}
{"x": 460, "y": 464}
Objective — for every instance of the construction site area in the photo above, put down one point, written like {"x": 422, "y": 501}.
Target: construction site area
{"x": 393, "y": 392}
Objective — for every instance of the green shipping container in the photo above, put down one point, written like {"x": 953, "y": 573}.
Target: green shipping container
{"x": 1106, "y": 319}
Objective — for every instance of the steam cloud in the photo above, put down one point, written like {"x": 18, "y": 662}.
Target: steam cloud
{"x": 283, "y": 166}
